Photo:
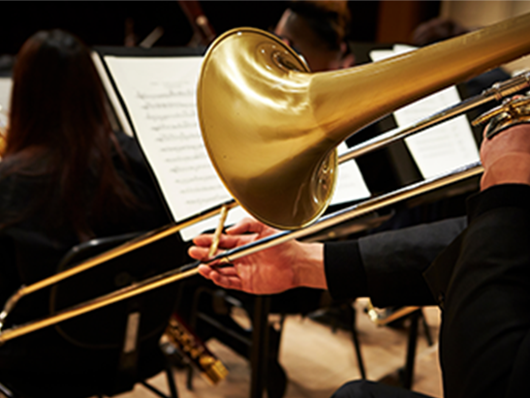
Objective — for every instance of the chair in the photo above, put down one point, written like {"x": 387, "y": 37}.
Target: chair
{"x": 389, "y": 316}
{"x": 107, "y": 351}
{"x": 210, "y": 316}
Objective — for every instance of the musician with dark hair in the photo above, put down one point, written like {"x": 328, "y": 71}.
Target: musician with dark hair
{"x": 65, "y": 177}
{"x": 481, "y": 280}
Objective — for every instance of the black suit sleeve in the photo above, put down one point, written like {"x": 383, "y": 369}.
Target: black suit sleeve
{"x": 388, "y": 266}
{"x": 395, "y": 260}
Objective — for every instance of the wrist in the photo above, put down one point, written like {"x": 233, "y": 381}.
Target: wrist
{"x": 310, "y": 266}
{"x": 512, "y": 168}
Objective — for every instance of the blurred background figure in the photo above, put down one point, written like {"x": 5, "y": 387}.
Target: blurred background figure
{"x": 318, "y": 30}
{"x": 435, "y": 30}
{"x": 66, "y": 177}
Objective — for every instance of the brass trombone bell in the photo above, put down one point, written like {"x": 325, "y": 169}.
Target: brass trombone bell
{"x": 271, "y": 127}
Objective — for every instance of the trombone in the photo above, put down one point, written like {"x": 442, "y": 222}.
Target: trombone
{"x": 265, "y": 79}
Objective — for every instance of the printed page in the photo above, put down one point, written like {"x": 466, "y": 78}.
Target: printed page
{"x": 159, "y": 94}
{"x": 350, "y": 183}
{"x": 442, "y": 148}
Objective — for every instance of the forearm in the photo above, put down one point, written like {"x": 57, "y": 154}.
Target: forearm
{"x": 506, "y": 157}
{"x": 310, "y": 266}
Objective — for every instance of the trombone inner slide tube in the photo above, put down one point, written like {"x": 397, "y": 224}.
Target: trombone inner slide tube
{"x": 271, "y": 127}
{"x": 352, "y": 212}
{"x": 231, "y": 255}
{"x": 127, "y": 247}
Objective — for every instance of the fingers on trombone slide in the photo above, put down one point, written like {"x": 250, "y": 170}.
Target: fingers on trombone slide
{"x": 206, "y": 270}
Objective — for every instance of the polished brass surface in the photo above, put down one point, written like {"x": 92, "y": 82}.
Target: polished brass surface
{"x": 274, "y": 125}
{"x": 271, "y": 127}
{"x": 349, "y": 213}
{"x": 228, "y": 256}
{"x": 511, "y": 112}
{"x": 108, "y": 255}
{"x": 497, "y": 92}
{"x": 505, "y": 44}
{"x": 195, "y": 351}
{"x": 2, "y": 143}
{"x": 91, "y": 305}
{"x": 382, "y": 317}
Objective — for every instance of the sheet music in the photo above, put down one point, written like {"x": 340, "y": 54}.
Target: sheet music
{"x": 350, "y": 182}
{"x": 159, "y": 94}
{"x": 5, "y": 96}
{"x": 441, "y": 148}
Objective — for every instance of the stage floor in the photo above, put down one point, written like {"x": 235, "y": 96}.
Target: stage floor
{"x": 318, "y": 361}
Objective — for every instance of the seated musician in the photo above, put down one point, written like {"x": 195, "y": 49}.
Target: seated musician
{"x": 65, "y": 178}
{"x": 480, "y": 280}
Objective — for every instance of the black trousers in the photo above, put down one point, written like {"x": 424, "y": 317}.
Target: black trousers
{"x": 370, "y": 389}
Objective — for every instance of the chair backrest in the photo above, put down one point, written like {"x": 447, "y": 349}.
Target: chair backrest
{"x": 118, "y": 344}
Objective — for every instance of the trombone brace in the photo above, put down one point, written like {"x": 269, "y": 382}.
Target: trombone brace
{"x": 512, "y": 111}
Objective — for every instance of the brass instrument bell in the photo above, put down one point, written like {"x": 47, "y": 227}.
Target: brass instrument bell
{"x": 271, "y": 127}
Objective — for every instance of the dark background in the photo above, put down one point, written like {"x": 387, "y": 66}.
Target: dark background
{"x": 109, "y": 22}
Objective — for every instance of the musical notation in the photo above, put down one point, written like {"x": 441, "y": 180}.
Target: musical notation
{"x": 159, "y": 94}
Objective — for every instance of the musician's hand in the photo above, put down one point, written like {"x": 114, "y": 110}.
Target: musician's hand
{"x": 506, "y": 157}
{"x": 274, "y": 270}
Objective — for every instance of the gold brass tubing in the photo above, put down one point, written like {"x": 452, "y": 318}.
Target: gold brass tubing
{"x": 257, "y": 101}
{"x": 218, "y": 231}
{"x": 91, "y": 305}
{"x": 231, "y": 255}
{"x": 396, "y": 315}
{"x": 123, "y": 249}
{"x": 127, "y": 247}
{"x": 379, "y": 320}
{"x": 351, "y": 212}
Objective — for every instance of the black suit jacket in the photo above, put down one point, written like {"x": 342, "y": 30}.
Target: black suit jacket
{"x": 481, "y": 281}
{"x": 30, "y": 252}
{"x": 485, "y": 335}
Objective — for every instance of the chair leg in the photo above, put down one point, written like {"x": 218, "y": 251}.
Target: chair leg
{"x": 154, "y": 390}
{"x": 358, "y": 354}
{"x": 276, "y": 378}
{"x": 355, "y": 337}
{"x": 260, "y": 344}
{"x": 408, "y": 371}
{"x": 189, "y": 378}
{"x": 426, "y": 329}
{"x": 171, "y": 382}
